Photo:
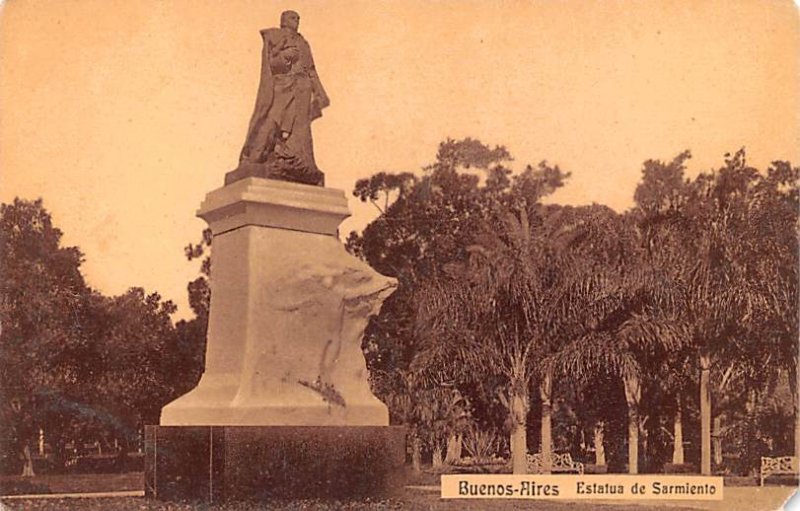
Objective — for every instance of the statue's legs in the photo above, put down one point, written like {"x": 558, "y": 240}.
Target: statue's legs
{"x": 298, "y": 142}
{"x": 269, "y": 122}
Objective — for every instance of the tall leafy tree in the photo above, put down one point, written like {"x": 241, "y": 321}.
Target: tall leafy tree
{"x": 75, "y": 362}
{"x": 504, "y": 311}
{"x": 701, "y": 270}
{"x": 709, "y": 234}
{"x": 776, "y": 214}
{"x": 142, "y": 367}
{"x": 45, "y": 352}
{"x": 191, "y": 334}
{"x": 619, "y": 317}
{"x": 423, "y": 223}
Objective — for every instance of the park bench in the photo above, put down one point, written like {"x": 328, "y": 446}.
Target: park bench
{"x": 561, "y": 463}
{"x": 783, "y": 465}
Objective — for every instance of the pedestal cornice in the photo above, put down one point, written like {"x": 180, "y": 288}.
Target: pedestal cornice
{"x": 279, "y": 204}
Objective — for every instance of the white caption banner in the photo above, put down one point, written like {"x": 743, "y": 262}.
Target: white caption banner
{"x": 580, "y": 487}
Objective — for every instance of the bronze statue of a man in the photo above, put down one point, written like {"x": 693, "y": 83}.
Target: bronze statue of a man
{"x": 290, "y": 96}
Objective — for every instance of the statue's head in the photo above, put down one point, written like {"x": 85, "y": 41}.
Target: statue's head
{"x": 290, "y": 20}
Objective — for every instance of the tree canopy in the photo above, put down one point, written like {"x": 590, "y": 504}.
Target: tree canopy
{"x": 500, "y": 293}
{"x": 78, "y": 365}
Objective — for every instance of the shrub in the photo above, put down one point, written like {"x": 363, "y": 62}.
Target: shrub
{"x": 481, "y": 445}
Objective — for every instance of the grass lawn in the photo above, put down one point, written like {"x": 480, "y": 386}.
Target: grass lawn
{"x": 411, "y": 501}
{"x": 71, "y": 483}
{"x": 740, "y": 495}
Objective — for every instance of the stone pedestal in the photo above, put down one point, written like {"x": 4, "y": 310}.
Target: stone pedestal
{"x": 284, "y": 407}
{"x": 288, "y": 309}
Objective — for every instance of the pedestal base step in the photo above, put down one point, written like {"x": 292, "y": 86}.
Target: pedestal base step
{"x": 224, "y": 463}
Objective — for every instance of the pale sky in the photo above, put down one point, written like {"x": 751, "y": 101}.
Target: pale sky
{"x": 123, "y": 114}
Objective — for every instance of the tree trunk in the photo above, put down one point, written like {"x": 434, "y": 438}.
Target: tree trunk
{"x": 644, "y": 439}
{"x": 512, "y": 440}
{"x": 454, "y": 443}
{"x": 519, "y": 442}
{"x": 797, "y": 430}
{"x": 122, "y": 454}
{"x": 633, "y": 394}
{"x": 717, "y": 440}
{"x": 27, "y": 467}
{"x": 58, "y": 444}
{"x": 705, "y": 414}
{"x": 41, "y": 442}
{"x": 416, "y": 454}
{"x": 677, "y": 444}
{"x": 546, "y": 394}
{"x": 794, "y": 385}
{"x": 599, "y": 448}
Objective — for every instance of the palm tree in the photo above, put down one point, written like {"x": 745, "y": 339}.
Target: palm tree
{"x": 701, "y": 233}
{"x": 433, "y": 413}
{"x": 529, "y": 285}
{"x": 776, "y": 212}
{"x": 674, "y": 378}
{"x": 630, "y": 318}
{"x": 490, "y": 314}
{"x": 477, "y": 325}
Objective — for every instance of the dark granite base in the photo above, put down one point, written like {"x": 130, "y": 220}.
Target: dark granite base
{"x": 221, "y": 463}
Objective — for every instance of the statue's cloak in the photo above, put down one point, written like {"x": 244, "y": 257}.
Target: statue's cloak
{"x": 265, "y": 95}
